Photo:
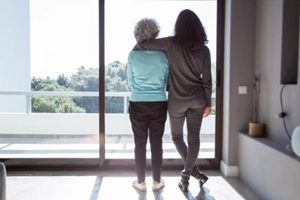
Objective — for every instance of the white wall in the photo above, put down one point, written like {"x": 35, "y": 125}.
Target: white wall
{"x": 14, "y": 53}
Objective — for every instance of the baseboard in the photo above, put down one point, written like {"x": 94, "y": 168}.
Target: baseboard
{"x": 229, "y": 171}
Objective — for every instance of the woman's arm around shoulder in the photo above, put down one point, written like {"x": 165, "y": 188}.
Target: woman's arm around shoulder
{"x": 155, "y": 44}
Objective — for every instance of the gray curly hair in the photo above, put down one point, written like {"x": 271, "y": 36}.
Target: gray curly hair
{"x": 146, "y": 29}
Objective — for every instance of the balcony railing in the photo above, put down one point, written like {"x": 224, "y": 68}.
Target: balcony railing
{"x": 29, "y": 94}
{"x": 72, "y": 123}
{"x": 78, "y": 129}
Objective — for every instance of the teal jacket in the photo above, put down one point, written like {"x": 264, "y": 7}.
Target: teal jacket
{"x": 147, "y": 73}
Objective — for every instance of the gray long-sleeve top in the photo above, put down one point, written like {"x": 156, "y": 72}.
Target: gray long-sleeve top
{"x": 190, "y": 70}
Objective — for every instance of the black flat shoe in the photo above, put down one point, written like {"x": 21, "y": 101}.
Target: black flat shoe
{"x": 184, "y": 183}
{"x": 202, "y": 178}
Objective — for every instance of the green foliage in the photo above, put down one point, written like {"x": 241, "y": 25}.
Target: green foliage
{"x": 52, "y": 104}
{"x": 67, "y": 105}
{"x": 115, "y": 81}
{"x": 84, "y": 80}
{"x": 114, "y": 104}
{"x": 87, "y": 80}
{"x": 214, "y": 84}
{"x": 115, "y": 84}
{"x": 47, "y": 84}
{"x": 63, "y": 80}
{"x": 42, "y": 105}
{"x": 116, "y": 77}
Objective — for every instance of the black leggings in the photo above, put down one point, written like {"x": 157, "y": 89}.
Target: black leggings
{"x": 148, "y": 118}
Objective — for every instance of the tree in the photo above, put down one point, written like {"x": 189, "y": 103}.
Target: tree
{"x": 115, "y": 81}
{"x": 63, "y": 80}
{"x": 86, "y": 80}
{"x": 52, "y": 104}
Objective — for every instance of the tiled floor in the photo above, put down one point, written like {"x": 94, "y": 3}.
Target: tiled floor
{"x": 116, "y": 185}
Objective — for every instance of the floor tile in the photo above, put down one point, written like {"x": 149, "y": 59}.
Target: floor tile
{"x": 50, "y": 188}
{"x": 118, "y": 185}
{"x": 215, "y": 188}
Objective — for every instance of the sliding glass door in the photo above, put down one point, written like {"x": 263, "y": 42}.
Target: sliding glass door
{"x": 63, "y": 81}
{"x": 120, "y": 18}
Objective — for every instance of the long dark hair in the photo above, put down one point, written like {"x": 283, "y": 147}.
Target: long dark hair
{"x": 189, "y": 30}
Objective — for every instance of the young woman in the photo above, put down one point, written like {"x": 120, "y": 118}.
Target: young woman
{"x": 147, "y": 73}
{"x": 190, "y": 88}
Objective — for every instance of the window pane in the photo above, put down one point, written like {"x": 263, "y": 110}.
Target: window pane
{"x": 54, "y": 101}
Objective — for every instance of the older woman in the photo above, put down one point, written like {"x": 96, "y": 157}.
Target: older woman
{"x": 147, "y": 73}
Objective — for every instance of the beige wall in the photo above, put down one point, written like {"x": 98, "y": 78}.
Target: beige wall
{"x": 268, "y": 53}
{"x": 238, "y": 71}
{"x": 253, "y": 43}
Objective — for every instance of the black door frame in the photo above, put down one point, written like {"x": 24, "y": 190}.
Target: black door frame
{"x": 102, "y": 163}
{"x": 173, "y": 163}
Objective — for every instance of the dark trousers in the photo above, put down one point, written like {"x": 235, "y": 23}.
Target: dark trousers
{"x": 148, "y": 119}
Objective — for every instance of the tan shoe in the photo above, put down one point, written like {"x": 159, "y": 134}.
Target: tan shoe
{"x": 139, "y": 186}
{"x": 158, "y": 185}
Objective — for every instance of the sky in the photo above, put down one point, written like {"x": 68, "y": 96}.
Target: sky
{"x": 64, "y": 33}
